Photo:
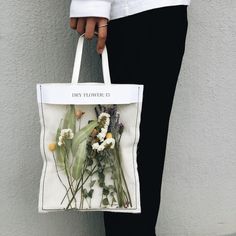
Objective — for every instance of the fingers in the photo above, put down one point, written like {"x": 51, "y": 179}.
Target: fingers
{"x": 102, "y": 35}
{"x": 78, "y": 24}
{"x": 90, "y": 27}
{"x": 73, "y": 23}
{"x": 87, "y": 25}
{"x": 81, "y": 25}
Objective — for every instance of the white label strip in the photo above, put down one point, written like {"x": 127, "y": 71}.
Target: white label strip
{"x": 89, "y": 93}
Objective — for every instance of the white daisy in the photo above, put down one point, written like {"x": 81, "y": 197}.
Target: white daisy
{"x": 71, "y": 135}
{"x": 59, "y": 143}
{"x": 95, "y": 146}
{"x": 101, "y": 147}
{"x": 103, "y": 131}
{"x": 101, "y": 136}
{"x": 107, "y": 122}
{"x": 102, "y": 115}
{"x": 65, "y": 134}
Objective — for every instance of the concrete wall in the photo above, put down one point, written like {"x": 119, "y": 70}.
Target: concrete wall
{"x": 199, "y": 185}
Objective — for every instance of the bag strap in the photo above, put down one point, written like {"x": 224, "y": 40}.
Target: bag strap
{"x": 78, "y": 59}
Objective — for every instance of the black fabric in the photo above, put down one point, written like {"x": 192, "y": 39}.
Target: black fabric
{"x": 147, "y": 48}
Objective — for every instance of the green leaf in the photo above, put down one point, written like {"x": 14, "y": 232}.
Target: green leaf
{"x": 90, "y": 193}
{"x": 101, "y": 176}
{"x": 101, "y": 184}
{"x": 68, "y": 144}
{"x": 100, "y": 169}
{"x": 85, "y": 193}
{"x": 58, "y": 134}
{"x": 100, "y": 181}
{"x": 105, "y": 192}
{"x": 92, "y": 183}
{"x": 60, "y": 155}
{"x": 106, "y": 188}
{"x": 105, "y": 201}
{"x": 100, "y": 157}
{"x": 70, "y": 119}
{"x": 89, "y": 161}
{"x": 82, "y": 135}
{"x": 80, "y": 158}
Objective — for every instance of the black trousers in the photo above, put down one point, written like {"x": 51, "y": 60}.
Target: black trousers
{"x": 147, "y": 48}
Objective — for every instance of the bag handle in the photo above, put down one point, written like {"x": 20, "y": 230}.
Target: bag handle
{"x": 78, "y": 59}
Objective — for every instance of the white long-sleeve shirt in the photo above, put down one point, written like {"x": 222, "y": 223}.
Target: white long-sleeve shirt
{"x": 113, "y": 9}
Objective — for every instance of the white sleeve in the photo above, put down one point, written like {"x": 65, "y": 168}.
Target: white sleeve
{"x": 84, "y": 8}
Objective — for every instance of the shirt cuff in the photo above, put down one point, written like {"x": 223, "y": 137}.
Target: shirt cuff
{"x": 85, "y": 8}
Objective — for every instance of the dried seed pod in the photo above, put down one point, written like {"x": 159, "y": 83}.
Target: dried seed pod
{"x": 78, "y": 114}
{"x": 52, "y": 147}
{"x": 109, "y": 135}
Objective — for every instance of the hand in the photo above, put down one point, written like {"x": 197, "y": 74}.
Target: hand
{"x": 87, "y": 25}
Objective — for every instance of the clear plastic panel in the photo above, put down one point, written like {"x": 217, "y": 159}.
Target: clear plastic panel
{"x": 89, "y": 154}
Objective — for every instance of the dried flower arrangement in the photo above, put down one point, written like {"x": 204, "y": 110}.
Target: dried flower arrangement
{"x": 87, "y": 155}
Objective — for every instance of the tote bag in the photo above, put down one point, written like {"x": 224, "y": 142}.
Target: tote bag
{"x": 88, "y": 142}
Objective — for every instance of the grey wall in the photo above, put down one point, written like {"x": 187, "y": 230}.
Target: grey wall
{"x": 199, "y": 182}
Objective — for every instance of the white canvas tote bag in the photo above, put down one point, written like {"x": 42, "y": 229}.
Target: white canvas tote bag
{"x": 88, "y": 142}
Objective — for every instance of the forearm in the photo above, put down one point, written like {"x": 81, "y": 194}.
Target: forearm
{"x": 90, "y": 8}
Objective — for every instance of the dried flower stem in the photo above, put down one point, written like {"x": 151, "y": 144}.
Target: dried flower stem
{"x": 122, "y": 177}
{"x": 63, "y": 199}
{"x": 82, "y": 195}
{"x": 68, "y": 178}
{"x": 60, "y": 177}
{"x": 91, "y": 179}
{"x": 79, "y": 187}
